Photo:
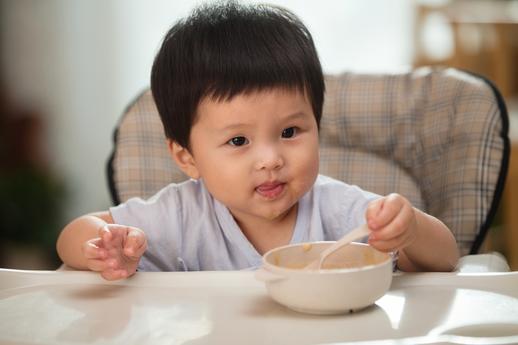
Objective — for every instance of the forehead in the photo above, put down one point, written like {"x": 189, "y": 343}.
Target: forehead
{"x": 276, "y": 102}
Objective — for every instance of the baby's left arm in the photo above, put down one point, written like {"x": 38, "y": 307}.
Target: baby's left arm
{"x": 424, "y": 242}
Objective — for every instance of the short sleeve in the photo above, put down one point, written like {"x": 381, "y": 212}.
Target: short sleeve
{"x": 160, "y": 219}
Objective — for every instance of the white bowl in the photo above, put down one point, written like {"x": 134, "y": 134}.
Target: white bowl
{"x": 353, "y": 278}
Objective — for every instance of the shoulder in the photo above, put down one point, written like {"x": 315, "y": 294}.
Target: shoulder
{"x": 328, "y": 188}
{"x": 326, "y": 183}
{"x": 177, "y": 196}
{"x": 341, "y": 206}
{"x": 187, "y": 191}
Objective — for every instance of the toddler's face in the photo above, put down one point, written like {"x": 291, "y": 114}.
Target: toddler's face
{"x": 258, "y": 153}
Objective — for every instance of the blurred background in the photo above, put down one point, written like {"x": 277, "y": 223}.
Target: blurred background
{"x": 68, "y": 68}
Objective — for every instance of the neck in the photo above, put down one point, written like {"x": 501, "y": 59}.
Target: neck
{"x": 266, "y": 234}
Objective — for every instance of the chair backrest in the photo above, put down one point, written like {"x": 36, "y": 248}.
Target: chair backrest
{"x": 437, "y": 136}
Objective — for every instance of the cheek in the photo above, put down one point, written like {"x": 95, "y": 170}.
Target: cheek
{"x": 226, "y": 181}
{"x": 311, "y": 165}
{"x": 307, "y": 157}
{"x": 219, "y": 169}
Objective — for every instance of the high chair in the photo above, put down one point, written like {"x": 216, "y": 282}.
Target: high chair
{"x": 438, "y": 136}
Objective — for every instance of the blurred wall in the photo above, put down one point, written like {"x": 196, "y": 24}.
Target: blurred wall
{"x": 80, "y": 62}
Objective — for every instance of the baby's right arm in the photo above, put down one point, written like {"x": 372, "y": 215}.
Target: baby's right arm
{"x": 94, "y": 242}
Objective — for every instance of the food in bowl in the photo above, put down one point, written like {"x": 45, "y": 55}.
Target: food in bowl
{"x": 352, "y": 278}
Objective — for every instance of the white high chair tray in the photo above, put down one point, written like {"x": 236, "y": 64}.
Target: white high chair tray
{"x": 72, "y": 307}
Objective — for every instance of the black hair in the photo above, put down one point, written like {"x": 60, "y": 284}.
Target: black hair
{"x": 224, "y": 49}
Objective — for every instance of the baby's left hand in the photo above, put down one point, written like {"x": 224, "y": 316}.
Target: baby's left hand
{"x": 393, "y": 223}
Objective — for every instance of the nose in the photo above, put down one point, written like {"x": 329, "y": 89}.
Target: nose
{"x": 269, "y": 158}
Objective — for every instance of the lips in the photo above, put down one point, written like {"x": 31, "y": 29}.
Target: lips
{"x": 270, "y": 190}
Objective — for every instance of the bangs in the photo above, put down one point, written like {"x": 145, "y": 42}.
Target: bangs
{"x": 253, "y": 49}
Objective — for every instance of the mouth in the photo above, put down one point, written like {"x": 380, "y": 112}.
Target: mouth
{"x": 270, "y": 190}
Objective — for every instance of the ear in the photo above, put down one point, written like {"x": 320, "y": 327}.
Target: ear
{"x": 183, "y": 158}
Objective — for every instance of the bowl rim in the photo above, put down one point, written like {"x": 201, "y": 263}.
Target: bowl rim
{"x": 330, "y": 271}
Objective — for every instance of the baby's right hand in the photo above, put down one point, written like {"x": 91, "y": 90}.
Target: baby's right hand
{"x": 116, "y": 252}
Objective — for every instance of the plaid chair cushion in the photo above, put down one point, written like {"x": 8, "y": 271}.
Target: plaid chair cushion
{"x": 436, "y": 136}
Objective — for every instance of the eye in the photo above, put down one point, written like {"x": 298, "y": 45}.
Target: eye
{"x": 289, "y": 132}
{"x": 238, "y": 141}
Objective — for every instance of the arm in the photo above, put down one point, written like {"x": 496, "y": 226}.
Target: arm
{"x": 424, "y": 242}
{"x": 434, "y": 248}
{"x": 73, "y": 237}
{"x": 94, "y": 242}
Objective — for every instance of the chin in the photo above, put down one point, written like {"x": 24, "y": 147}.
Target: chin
{"x": 273, "y": 214}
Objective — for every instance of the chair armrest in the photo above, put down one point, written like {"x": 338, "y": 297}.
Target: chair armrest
{"x": 480, "y": 263}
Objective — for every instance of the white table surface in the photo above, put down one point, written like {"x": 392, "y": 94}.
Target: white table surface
{"x": 72, "y": 307}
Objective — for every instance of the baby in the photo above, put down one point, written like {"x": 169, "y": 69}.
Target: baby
{"x": 240, "y": 89}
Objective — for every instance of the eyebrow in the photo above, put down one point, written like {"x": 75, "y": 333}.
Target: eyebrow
{"x": 234, "y": 126}
{"x": 293, "y": 116}
{"x": 298, "y": 114}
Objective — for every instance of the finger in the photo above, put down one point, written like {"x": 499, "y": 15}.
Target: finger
{"x": 134, "y": 239}
{"x": 393, "y": 244}
{"x": 118, "y": 229}
{"x": 390, "y": 208}
{"x": 135, "y": 253}
{"x": 114, "y": 235}
{"x": 110, "y": 274}
{"x": 398, "y": 225}
{"x": 96, "y": 265}
{"x": 114, "y": 264}
{"x": 141, "y": 250}
{"x": 373, "y": 209}
{"x": 105, "y": 234}
{"x": 122, "y": 274}
{"x": 135, "y": 243}
{"x": 397, "y": 242}
{"x": 92, "y": 249}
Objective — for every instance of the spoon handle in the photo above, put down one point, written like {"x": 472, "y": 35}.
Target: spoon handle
{"x": 357, "y": 233}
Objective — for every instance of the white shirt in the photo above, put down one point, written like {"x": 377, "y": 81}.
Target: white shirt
{"x": 187, "y": 229}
